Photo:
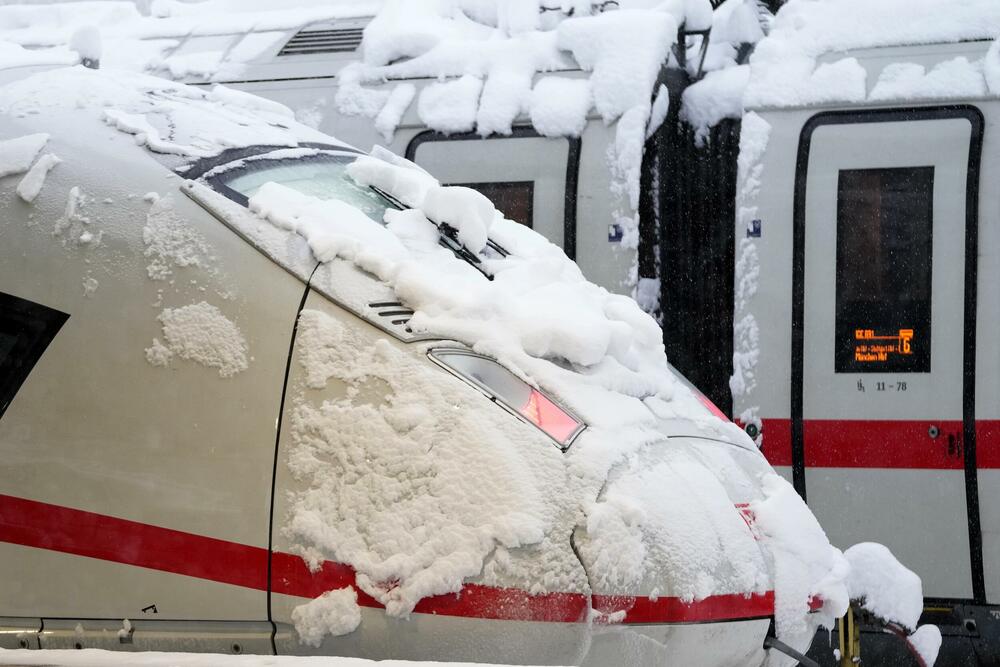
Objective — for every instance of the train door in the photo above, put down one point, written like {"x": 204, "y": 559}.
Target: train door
{"x": 883, "y": 336}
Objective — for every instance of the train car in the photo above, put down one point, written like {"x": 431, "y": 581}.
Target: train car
{"x": 264, "y": 393}
{"x": 866, "y": 361}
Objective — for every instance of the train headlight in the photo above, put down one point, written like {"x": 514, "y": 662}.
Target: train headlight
{"x": 511, "y": 392}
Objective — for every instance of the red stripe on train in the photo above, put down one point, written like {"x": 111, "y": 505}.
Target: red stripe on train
{"x": 844, "y": 443}
{"x": 41, "y": 525}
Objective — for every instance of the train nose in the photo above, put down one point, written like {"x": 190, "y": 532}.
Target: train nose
{"x": 675, "y": 570}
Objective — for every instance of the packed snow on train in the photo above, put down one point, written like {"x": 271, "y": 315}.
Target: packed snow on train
{"x": 265, "y": 393}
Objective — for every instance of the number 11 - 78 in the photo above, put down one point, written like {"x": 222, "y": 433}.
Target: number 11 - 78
{"x": 881, "y": 386}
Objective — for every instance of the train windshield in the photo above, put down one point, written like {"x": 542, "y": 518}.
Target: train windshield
{"x": 323, "y": 175}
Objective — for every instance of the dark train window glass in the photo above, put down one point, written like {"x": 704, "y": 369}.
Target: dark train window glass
{"x": 515, "y": 199}
{"x": 884, "y": 224}
{"x": 26, "y": 329}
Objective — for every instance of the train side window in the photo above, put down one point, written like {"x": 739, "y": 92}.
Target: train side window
{"x": 515, "y": 199}
{"x": 884, "y": 253}
{"x": 26, "y": 329}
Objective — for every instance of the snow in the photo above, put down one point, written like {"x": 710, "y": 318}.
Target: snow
{"x": 90, "y": 657}
{"x": 333, "y": 613}
{"x": 90, "y": 285}
{"x": 784, "y": 69}
{"x": 408, "y": 185}
{"x": 804, "y": 562}
{"x": 647, "y": 294}
{"x": 954, "y": 78}
{"x": 506, "y": 91}
{"x": 885, "y": 586}
{"x": 170, "y": 242}
{"x": 991, "y": 68}
{"x": 332, "y": 228}
{"x": 392, "y": 111}
{"x": 165, "y": 117}
{"x": 200, "y": 333}
{"x": 665, "y": 503}
{"x": 926, "y": 641}
{"x": 34, "y": 180}
{"x": 736, "y": 22}
{"x": 74, "y": 226}
{"x": 126, "y": 629}
{"x": 450, "y": 107}
{"x": 16, "y": 155}
{"x": 754, "y": 135}
{"x": 558, "y": 106}
{"x": 719, "y": 95}
{"x": 624, "y": 50}
{"x": 243, "y": 100}
{"x": 464, "y": 209}
{"x": 625, "y": 159}
{"x": 86, "y": 41}
{"x": 658, "y": 114}
{"x": 353, "y": 100}
{"x": 420, "y": 513}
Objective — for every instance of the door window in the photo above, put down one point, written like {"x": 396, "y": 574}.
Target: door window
{"x": 516, "y": 199}
{"x": 883, "y": 301}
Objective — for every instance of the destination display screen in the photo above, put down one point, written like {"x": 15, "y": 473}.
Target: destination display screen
{"x": 884, "y": 254}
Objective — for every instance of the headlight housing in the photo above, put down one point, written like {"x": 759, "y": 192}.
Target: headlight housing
{"x": 512, "y": 393}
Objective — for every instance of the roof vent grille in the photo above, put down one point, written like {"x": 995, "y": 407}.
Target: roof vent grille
{"x": 306, "y": 42}
{"x": 394, "y": 311}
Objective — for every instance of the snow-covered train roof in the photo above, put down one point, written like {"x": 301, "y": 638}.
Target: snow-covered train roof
{"x": 216, "y": 40}
{"x": 857, "y": 51}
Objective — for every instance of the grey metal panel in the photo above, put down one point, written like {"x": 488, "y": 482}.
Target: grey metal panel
{"x": 918, "y": 514}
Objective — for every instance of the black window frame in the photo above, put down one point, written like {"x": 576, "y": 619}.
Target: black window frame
{"x": 883, "y": 316}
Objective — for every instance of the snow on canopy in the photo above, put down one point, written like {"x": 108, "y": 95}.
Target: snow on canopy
{"x": 787, "y": 70}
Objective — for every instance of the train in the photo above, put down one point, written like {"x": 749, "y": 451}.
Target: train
{"x": 864, "y": 356}
{"x": 266, "y": 393}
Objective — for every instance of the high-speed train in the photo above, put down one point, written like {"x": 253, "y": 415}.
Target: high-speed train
{"x": 263, "y": 393}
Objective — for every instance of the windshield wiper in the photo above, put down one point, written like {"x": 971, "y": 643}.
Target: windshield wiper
{"x": 448, "y": 237}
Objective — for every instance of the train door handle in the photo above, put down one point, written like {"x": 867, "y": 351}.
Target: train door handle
{"x": 955, "y": 445}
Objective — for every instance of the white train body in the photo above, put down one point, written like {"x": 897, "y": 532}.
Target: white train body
{"x": 866, "y": 312}
{"x": 181, "y": 376}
